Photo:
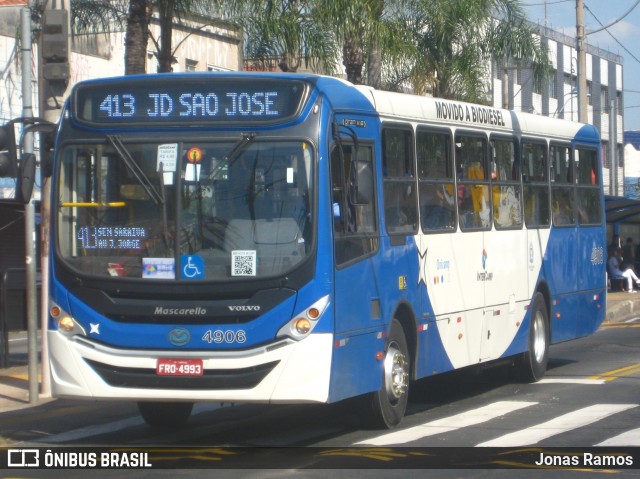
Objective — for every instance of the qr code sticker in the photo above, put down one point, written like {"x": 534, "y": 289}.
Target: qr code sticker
{"x": 243, "y": 263}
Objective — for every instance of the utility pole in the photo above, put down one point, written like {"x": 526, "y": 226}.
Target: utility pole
{"x": 612, "y": 148}
{"x": 583, "y": 114}
{"x": 29, "y": 215}
{"x": 53, "y": 78}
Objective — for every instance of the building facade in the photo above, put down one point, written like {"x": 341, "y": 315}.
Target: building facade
{"x": 206, "y": 45}
{"x": 200, "y": 44}
{"x": 558, "y": 97}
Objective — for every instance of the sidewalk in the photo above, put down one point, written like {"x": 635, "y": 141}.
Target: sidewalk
{"x": 14, "y": 380}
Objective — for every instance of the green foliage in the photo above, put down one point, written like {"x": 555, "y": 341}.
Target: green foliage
{"x": 442, "y": 47}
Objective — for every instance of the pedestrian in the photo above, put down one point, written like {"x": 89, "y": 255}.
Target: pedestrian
{"x": 629, "y": 254}
{"x": 614, "y": 267}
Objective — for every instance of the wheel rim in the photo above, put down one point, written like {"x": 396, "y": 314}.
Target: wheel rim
{"x": 396, "y": 372}
{"x": 539, "y": 338}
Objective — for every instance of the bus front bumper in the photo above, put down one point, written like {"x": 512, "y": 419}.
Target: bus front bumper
{"x": 284, "y": 372}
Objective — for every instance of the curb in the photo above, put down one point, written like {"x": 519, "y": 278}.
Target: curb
{"x": 622, "y": 311}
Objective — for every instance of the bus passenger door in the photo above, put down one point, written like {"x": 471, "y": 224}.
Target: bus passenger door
{"x": 356, "y": 296}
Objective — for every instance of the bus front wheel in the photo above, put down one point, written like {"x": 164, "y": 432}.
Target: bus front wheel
{"x": 386, "y": 407}
{"x": 532, "y": 364}
{"x": 165, "y": 415}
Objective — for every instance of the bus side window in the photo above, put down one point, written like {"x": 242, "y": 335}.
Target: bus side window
{"x": 355, "y": 225}
{"x": 505, "y": 176}
{"x": 400, "y": 196}
{"x": 474, "y": 208}
{"x": 435, "y": 176}
{"x": 562, "y": 187}
{"x": 587, "y": 186}
{"x": 536, "y": 184}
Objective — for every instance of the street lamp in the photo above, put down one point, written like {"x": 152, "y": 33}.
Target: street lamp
{"x": 571, "y": 94}
{"x": 559, "y": 110}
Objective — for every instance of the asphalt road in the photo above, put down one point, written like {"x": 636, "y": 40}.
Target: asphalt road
{"x": 588, "y": 402}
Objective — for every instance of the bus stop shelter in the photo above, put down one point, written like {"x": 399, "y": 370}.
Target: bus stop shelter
{"x": 621, "y": 210}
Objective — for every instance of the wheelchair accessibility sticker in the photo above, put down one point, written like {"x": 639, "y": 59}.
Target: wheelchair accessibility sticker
{"x": 191, "y": 266}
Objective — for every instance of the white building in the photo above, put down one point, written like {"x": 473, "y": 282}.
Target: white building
{"x": 200, "y": 45}
{"x": 558, "y": 97}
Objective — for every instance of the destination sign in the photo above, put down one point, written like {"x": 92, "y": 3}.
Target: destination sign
{"x": 174, "y": 99}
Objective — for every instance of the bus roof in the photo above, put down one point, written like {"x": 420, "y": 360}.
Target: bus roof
{"x": 467, "y": 115}
{"x": 342, "y": 95}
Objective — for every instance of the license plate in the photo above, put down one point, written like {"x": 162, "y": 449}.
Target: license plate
{"x": 179, "y": 367}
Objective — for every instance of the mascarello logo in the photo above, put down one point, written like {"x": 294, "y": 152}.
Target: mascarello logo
{"x": 179, "y": 336}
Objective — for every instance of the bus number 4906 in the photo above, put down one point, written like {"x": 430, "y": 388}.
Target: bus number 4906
{"x": 229, "y": 336}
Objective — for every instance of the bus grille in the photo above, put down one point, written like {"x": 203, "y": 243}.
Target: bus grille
{"x": 213, "y": 379}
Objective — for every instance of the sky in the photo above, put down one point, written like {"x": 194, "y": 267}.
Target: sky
{"x": 621, "y": 38}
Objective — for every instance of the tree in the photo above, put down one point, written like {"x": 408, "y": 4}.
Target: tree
{"x": 137, "y": 36}
{"x": 106, "y": 16}
{"x": 283, "y": 33}
{"x": 359, "y": 26}
{"x": 455, "y": 41}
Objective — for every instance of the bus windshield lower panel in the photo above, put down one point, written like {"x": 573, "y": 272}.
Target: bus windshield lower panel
{"x": 181, "y": 211}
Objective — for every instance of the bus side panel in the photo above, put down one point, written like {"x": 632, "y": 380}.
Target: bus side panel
{"x": 432, "y": 355}
{"x": 537, "y": 240}
{"x": 355, "y": 370}
{"x": 561, "y": 271}
{"x": 591, "y": 280}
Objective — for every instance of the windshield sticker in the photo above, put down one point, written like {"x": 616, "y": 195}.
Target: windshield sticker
{"x": 191, "y": 266}
{"x": 167, "y": 161}
{"x": 243, "y": 263}
{"x": 192, "y": 172}
{"x": 159, "y": 268}
{"x": 115, "y": 269}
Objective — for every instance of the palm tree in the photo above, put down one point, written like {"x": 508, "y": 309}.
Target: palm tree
{"x": 283, "y": 33}
{"x": 106, "y": 16}
{"x": 357, "y": 25}
{"x": 137, "y": 36}
{"x": 455, "y": 40}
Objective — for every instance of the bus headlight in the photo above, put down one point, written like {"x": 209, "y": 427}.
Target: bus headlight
{"x": 303, "y": 323}
{"x": 65, "y": 322}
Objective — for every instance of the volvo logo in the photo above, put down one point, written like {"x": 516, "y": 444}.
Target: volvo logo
{"x": 244, "y": 308}
{"x": 179, "y": 336}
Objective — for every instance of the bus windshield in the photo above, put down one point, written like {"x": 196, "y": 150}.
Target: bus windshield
{"x": 210, "y": 211}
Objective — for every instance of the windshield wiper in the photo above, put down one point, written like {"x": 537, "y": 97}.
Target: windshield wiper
{"x": 234, "y": 153}
{"x": 143, "y": 179}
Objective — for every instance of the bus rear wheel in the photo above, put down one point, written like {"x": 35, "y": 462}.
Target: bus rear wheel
{"x": 386, "y": 407}
{"x": 532, "y": 365}
{"x": 165, "y": 415}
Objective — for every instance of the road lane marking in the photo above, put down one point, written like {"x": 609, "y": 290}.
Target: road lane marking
{"x": 567, "y": 422}
{"x": 618, "y": 373}
{"x": 625, "y": 325}
{"x": 629, "y": 438}
{"x": 468, "y": 418}
{"x": 587, "y": 381}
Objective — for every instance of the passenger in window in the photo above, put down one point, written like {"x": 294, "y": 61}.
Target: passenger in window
{"x": 438, "y": 210}
{"x": 561, "y": 214}
{"x": 506, "y": 206}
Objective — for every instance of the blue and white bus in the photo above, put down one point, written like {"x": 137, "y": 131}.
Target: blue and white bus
{"x": 283, "y": 238}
